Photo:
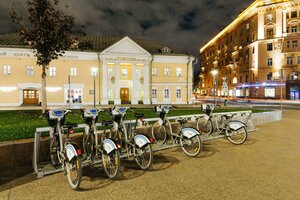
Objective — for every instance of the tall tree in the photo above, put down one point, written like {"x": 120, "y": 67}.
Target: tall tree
{"x": 48, "y": 31}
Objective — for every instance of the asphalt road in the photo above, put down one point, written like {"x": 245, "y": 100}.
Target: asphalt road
{"x": 267, "y": 166}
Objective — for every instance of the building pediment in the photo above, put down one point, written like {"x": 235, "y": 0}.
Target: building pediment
{"x": 125, "y": 46}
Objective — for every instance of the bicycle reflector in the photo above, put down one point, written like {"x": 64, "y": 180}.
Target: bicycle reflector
{"x": 152, "y": 139}
{"x": 118, "y": 146}
{"x": 71, "y": 130}
{"x": 79, "y": 152}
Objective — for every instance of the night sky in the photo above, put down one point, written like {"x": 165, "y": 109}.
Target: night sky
{"x": 182, "y": 24}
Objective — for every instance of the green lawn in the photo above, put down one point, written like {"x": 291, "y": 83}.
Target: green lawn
{"x": 22, "y": 124}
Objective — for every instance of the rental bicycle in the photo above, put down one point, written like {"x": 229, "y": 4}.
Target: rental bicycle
{"x": 188, "y": 137}
{"x": 106, "y": 149}
{"x": 132, "y": 144}
{"x": 63, "y": 152}
{"x": 234, "y": 130}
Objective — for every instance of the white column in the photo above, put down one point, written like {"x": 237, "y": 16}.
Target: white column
{"x": 261, "y": 26}
{"x": 117, "y": 100}
{"x": 284, "y": 21}
{"x": 278, "y": 23}
{"x": 104, "y": 100}
{"x": 146, "y": 99}
{"x": 134, "y": 88}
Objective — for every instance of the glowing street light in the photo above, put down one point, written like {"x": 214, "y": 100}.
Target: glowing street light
{"x": 214, "y": 73}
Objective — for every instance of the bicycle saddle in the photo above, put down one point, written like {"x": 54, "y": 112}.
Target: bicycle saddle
{"x": 70, "y": 125}
{"x": 106, "y": 123}
{"x": 182, "y": 120}
{"x": 139, "y": 115}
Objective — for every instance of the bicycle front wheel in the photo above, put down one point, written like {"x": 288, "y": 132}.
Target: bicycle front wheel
{"x": 237, "y": 136}
{"x": 74, "y": 172}
{"x": 159, "y": 132}
{"x": 54, "y": 151}
{"x": 143, "y": 156}
{"x": 191, "y": 147}
{"x": 111, "y": 164}
{"x": 88, "y": 145}
{"x": 205, "y": 126}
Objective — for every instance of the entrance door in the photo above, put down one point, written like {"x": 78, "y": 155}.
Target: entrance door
{"x": 124, "y": 94}
{"x": 294, "y": 95}
{"x": 30, "y": 96}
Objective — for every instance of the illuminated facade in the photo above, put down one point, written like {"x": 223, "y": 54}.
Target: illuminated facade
{"x": 123, "y": 70}
{"x": 257, "y": 55}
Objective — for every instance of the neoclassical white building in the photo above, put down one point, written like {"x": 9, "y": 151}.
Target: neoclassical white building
{"x": 114, "y": 71}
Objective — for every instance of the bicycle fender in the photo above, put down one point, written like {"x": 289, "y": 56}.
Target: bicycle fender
{"x": 189, "y": 132}
{"x": 235, "y": 125}
{"x": 70, "y": 151}
{"x": 141, "y": 140}
{"x": 109, "y": 145}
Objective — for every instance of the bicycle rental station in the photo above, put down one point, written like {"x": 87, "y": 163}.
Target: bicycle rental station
{"x": 165, "y": 133}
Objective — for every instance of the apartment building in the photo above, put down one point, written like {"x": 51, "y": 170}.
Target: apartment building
{"x": 257, "y": 55}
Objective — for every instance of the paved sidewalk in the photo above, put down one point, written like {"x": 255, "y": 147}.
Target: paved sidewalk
{"x": 266, "y": 167}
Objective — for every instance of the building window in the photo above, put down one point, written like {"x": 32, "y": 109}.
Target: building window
{"x": 294, "y": 76}
{"x": 269, "y": 17}
{"x": 52, "y": 71}
{"x": 294, "y": 29}
{"x": 270, "y": 32}
{"x": 178, "y": 93}
{"x": 166, "y": 71}
{"x": 73, "y": 71}
{"x": 241, "y": 79}
{"x": 110, "y": 71}
{"x": 247, "y": 26}
{"x": 178, "y": 72}
{"x": 154, "y": 93}
{"x": 166, "y": 93}
{"x": 293, "y": 14}
{"x": 247, "y": 78}
{"x": 298, "y": 60}
{"x": 269, "y": 47}
{"x": 6, "y": 70}
{"x": 269, "y": 76}
{"x": 270, "y": 62}
{"x": 270, "y": 92}
{"x": 29, "y": 71}
{"x": 289, "y": 61}
{"x": 288, "y": 44}
{"x": 124, "y": 73}
{"x": 294, "y": 43}
{"x": 154, "y": 71}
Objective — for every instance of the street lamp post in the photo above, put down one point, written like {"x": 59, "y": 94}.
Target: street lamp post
{"x": 94, "y": 74}
{"x": 214, "y": 73}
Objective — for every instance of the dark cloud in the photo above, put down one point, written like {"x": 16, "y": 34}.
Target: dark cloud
{"x": 182, "y": 24}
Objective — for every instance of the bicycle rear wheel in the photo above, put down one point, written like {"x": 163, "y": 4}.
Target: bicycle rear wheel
{"x": 204, "y": 126}
{"x": 111, "y": 164}
{"x": 74, "y": 172}
{"x": 191, "y": 147}
{"x": 159, "y": 132}
{"x": 143, "y": 156}
{"x": 237, "y": 136}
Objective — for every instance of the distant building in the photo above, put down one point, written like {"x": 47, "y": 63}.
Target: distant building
{"x": 257, "y": 55}
{"x": 124, "y": 70}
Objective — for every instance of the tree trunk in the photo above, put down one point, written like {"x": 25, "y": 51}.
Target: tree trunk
{"x": 44, "y": 94}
